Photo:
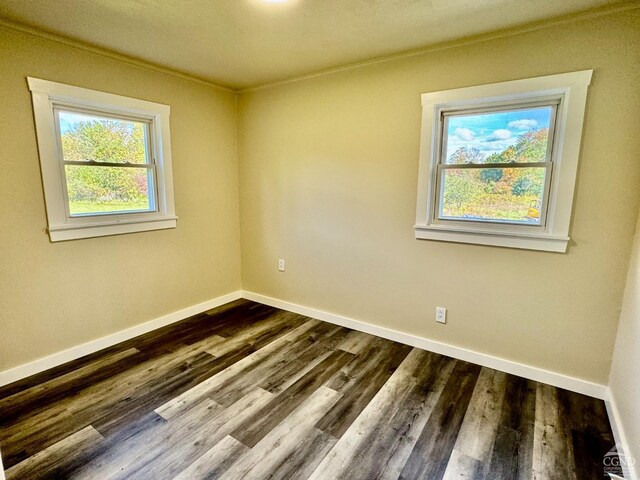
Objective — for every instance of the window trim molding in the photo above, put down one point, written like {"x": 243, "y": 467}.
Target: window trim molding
{"x": 571, "y": 88}
{"x": 47, "y": 96}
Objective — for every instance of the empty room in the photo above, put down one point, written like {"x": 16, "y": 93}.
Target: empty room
{"x": 320, "y": 239}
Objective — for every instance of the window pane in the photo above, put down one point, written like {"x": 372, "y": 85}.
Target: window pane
{"x": 89, "y": 137}
{"x": 493, "y": 194}
{"x": 498, "y": 137}
{"x": 94, "y": 189}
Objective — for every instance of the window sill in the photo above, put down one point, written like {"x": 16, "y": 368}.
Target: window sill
{"x": 60, "y": 233}
{"x": 526, "y": 241}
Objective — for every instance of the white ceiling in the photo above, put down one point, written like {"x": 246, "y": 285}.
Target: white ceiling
{"x": 244, "y": 43}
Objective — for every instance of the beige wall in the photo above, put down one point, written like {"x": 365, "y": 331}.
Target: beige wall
{"x": 328, "y": 179}
{"x": 55, "y": 296}
{"x": 328, "y": 182}
{"x": 624, "y": 381}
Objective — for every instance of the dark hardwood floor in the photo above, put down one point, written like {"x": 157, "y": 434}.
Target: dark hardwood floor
{"x": 249, "y": 391}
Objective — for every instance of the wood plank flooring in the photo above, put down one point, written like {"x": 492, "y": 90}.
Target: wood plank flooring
{"x": 247, "y": 391}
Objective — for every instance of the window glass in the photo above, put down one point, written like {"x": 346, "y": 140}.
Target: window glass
{"x": 498, "y": 137}
{"x": 471, "y": 189}
{"x": 513, "y": 195}
{"x": 107, "y": 164}
{"x": 98, "y": 190}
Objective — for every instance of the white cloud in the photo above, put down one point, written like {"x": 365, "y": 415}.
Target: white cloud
{"x": 464, "y": 134}
{"x": 500, "y": 134}
{"x": 524, "y": 124}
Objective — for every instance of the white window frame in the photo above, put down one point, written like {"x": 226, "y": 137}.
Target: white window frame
{"x": 50, "y": 96}
{"x": 569, "y": 91}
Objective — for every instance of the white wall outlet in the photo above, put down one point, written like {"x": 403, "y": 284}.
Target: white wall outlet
{"x": 441, "y": 315}
{"x": 281, "y": 264}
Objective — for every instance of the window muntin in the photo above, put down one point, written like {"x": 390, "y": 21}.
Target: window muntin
{"x": 495, "y": 164}
{"x": 108, "y": 163}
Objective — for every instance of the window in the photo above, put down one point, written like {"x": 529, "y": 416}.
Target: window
{"x": 105, "y": 161}
{"x": 498, "y": 162}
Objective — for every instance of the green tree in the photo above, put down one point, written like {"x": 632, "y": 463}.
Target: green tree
{"x": 521, "y": 186}
{"x": 461, "y": 190}
{"x": 530, "y": 182}
{"x": 105, "y": 141}
{"x": 489, "y": 175}
{"x": 494, "y": 158}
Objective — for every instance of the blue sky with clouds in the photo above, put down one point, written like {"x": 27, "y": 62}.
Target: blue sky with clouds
{"x": 493, "y": 132}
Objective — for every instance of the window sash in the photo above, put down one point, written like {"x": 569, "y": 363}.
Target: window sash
{"x": 148, "y": 137}
{"x": 149, "y": 165}
{"x": 441, "y": 166}
{"x": 512, "y": 107}
{"x": 439, "y": 193}
{"x": 151, "y": 200}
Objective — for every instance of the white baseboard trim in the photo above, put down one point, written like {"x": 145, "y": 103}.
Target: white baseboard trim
{"x": 73, "y": 353}
{"x": 630, "y": 472}
{"x": 508, "y": 366}
{"x": 533, "y": 373}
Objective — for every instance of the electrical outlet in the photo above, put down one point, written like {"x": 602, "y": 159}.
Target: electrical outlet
{"x": 441, "y": 315}
{"x": 281, "y": 264}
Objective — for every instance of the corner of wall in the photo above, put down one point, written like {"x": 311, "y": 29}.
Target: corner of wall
{"x": 623, "y": 390}
{"x": 631, "y": 472}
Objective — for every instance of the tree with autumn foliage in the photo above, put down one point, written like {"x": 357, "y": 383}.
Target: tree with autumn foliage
{"x": 105, "y": 141}
{"x": 497, "y": 191}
